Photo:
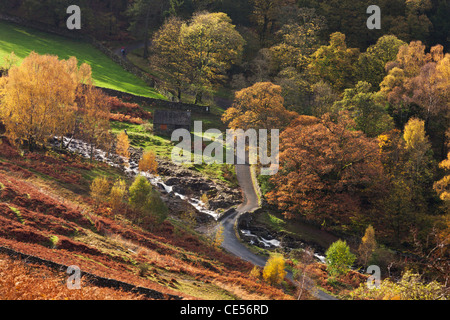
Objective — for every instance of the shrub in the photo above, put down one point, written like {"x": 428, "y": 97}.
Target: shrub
{"x": 219, "y": 237}
{"x": 100, "y": 189}
{"x": 18, "y": 214}
{"x": 147, "y": 201}
{"x": 139, "y": 191}
{"x": 143, "y": 269}
{"x": 255, "y": 273}
{"x": 204, "y": 198}
{"x": 117, "y": 196}
{"x": 157, "y": 207}
{"x": 54, "y": 241}
{"x": 410, "y": 287}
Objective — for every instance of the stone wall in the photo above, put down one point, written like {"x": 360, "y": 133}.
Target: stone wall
{"x": 163, "y": 104}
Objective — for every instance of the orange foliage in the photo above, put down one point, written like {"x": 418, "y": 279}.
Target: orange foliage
{"x": 19, "y": 281}
{"x": 148, "y": 163}
{"x": 258, "y": 107}
{"x": 326, "y": 171}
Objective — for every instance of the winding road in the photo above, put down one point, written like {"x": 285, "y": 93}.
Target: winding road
{"x": 232, "y": 243}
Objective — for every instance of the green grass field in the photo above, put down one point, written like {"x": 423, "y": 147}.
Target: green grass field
{"x": 105, "y": 72}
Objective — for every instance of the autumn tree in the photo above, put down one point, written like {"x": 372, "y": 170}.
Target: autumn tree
{"x": 367, "y": 109}
{"x": 219, "y": 237}
{"x": 148, "y": 163}
{"x": 339, "y": 258}
{"x": 170, "y": 54}
{"x": 417, "y": 85}
{"x": 418, "y": 147}
{"x": 372, "y": 62}
{"x": 296, "y": 90}
{"x": 157, "y": 207}
{"x": 197, "y": 53}
{"x": 336, "y": 63}
{"x": 213, "y": 46}
{"x": 258, "y": 107}
{"x": 442, "y": 187}
{"x": 411, "y": 286}
{"x": 38, "y": 99}
{"x": 92, "y": 124}
{"x": 273, "y": 271}
{"x": 329, "y": 173}
{"x": 367, "y": 246}
{"x": 323, "y": 97}
{"x": 123, "y": 145}
{"x": 8, "y": 61}
{"x": 304, "y": 260}
{"x": 299, "y": 39}
{"x": 139, "y": 191}
{"x": 146, "y": 201}
{"x": 407, "y": 160}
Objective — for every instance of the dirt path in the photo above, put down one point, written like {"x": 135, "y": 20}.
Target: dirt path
{"x": 129, "y": 48}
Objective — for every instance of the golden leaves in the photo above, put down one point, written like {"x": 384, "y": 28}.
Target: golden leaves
{"x": 39, "y": 97}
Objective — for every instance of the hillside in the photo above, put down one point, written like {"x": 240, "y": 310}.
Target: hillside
{"x": 106, "y": 73}
{"x": 46, "y": 212}
{"x": 356, "y": 105}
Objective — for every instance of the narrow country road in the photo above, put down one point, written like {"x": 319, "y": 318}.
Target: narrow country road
{"x": 231, "y": 242}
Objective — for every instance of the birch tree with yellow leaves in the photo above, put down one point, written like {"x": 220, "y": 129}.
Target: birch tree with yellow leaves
{"x": 38, "y": 99}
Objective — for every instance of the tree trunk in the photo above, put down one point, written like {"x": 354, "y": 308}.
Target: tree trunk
{"x": 147, "y": 18}
{"x": 198, "y": 97}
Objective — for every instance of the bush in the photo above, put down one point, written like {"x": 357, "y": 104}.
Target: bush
{"x": 219, "y": 237}
{"x": 100, "y": 189}
{"x": 117, "y": 196}
{"x": 410, "y": 287}
{"x": 147, "y": 201}
{"x": 156, "y": 207}
{"x": 255, "y": 273}
{"x": 139, "y": 191}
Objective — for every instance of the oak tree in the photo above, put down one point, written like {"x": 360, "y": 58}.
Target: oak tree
{"x": 328, "y": 172}
{"x": 258, "y": 107}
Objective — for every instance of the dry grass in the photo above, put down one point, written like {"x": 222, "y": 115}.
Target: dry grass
{"x": 19, "y": 281}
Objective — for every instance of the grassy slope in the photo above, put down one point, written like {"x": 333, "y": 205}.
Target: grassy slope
{"x": 105, "y": 72}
